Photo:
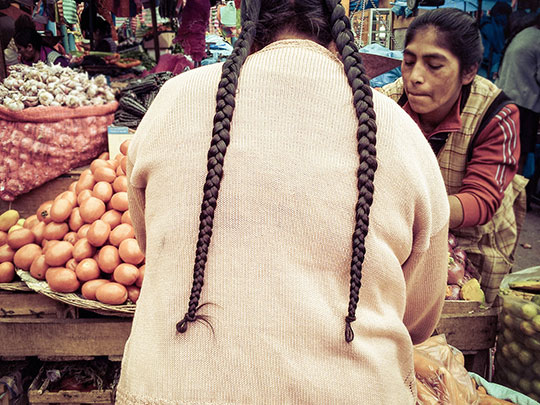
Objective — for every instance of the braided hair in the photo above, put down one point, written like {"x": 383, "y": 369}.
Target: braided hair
{"x": 324, "y": 20}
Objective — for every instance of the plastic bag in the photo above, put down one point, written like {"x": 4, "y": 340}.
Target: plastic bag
{"x": 39, "y": 144}
{"x": 441, "y": 377}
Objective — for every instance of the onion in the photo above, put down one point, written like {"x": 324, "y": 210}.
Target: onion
{"x": 452, "y": 240}
{"x": 459, "y": 254}
{"x": 456, "y": 272}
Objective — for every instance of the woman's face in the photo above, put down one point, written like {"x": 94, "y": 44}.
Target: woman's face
{"x": 27, "y": 52}
{"x": 431, "y": 76}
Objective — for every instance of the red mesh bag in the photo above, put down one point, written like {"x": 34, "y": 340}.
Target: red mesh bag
{"x": 39, "y": 144}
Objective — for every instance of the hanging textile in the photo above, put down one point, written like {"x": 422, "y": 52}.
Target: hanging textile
{"x": 191, "y": 33}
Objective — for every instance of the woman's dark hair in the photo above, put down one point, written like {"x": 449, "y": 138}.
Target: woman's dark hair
{"x": 24, "y": 21}
{"x": 324, "y": 20}
{"x": 457, "y": 32}
{"x": 28, "y": 35}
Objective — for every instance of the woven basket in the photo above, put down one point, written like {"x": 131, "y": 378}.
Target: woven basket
{"x": 14, "y": 286}
{"x": 77, "y": 300}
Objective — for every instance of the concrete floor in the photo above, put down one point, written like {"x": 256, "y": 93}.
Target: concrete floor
{"x": 530, "y": 234}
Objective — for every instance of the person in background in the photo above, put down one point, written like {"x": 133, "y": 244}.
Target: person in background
{"x": 103, "y": 41}
{"x": 494, "y": 30}
{"x": 325, "y": 257}
{"x": 519, "y": 78}
{"x": 473, "y": 129}
{"x": 30, "y": 45}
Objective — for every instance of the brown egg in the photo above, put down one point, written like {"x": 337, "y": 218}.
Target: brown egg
{"x": 119, "y": 201}
{"x": 112, "y": 293}
{"x": 99, "y": 163}
{"x": 4, "y": 235}
{"x": 108, "y": 259}
{"x": 69, "y": 195}
{"x": 6, "y": 253}
{"x": 38, "y": 230}
{"x": 47, "y": 244}
{"x": 71, "y": 237}
{"x": 75, "y": 220}
{"x": 98, "y": 233}
{"x": 39, "y": 267}
{"x": 126, "y": 274}
{"x": 120, "y": 184}
{"x": 24, "y": 256}
{"x": 91, "y": 209}
{"x": 72, "y": 186}
{"x": 55, "y": 231}
{"x": 30, "y": 222}
{"x": 72, "y": 264}
{"x": 123, "y": 164}
{"x": 85, "y": 182}
{"x": 120, "y": 171}
{"x": 130, "y": 252}
{"x": 89, "y": 288}
{"x": 124, "y": 146}
{"x": 20, "y": 237}
{"x": 103, "y": 191}
{"x": 120, "y": 233}
{"x": 114, "y": 163}
{"x": 112, "y": 217}
{"x": 140, "y": 279}
{"x": 104, "y": 156}
{"x": 61, "y": 279}
{"x": 7, "y": 272}
{"x": 83, "y": 249}
{"x": 107, "y": 174}
{"x": 59, "y": 254}
{"x": 61, "y": 210}
{"x": 133, "y": 293}
{"x": 83, "y": 231}
{"x": 43, "y": 211}
{"x": 87, "y": 270}
{"x": 83, "y": 195}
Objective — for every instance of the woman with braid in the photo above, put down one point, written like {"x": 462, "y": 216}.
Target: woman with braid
{"x": 294, "y": 223}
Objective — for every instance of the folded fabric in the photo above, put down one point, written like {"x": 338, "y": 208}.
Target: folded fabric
{"x": 502, "y": 392}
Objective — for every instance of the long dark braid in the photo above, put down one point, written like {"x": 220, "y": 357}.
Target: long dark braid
{"x": 216, "y": 154}
{"x": 363, "y": 103}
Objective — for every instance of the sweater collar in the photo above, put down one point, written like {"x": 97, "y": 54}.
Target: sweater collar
{"x": 300, "y": 43}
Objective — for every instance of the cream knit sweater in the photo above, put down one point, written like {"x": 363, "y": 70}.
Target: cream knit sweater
{"x": 279, "y": 261}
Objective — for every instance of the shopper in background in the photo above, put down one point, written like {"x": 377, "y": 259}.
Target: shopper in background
{"x": 31, "y": 47}
{"x": 519, "y": 77}
{"x": 494, "y": 30}
{"x": 281, "y": 306}
{"x": 473, "y": 130}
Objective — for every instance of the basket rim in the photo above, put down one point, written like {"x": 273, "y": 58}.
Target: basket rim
{"x": 77, "y": 300}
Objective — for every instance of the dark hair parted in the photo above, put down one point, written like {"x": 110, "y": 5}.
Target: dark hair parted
{"x": 26, "y": 36}
{"x": 324, "y": 21}
{"x": 458, "y": 33}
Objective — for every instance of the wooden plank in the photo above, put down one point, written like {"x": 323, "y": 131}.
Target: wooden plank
{"x": 71, "y": 337}
{"x": 470, "y": 331}
{"x": 460, "y": 307}
{"x": 30, "y": 304}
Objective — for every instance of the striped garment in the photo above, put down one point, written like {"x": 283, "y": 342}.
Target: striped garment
{"x": 491, "y": 173}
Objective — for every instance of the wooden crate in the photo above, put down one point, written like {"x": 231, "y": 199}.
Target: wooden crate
{"x": 27, "y": 204}
{"x": 38, "y": 394}
{"x": 33, "y": 305}
{"x": 472, "y": 329}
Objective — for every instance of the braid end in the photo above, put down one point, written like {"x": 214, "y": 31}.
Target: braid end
{"x": 181, "y": 327}
{"x": 349, "y": 334}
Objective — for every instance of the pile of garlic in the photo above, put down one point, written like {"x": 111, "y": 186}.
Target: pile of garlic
{"x": 40, "y": 84}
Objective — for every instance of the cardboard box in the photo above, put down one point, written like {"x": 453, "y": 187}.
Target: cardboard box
{"x": 115, "y": 136}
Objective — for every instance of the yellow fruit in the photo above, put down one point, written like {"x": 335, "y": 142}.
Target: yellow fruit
{"x": 535, "y": 384}
{"x": 536, "y": 368}
{"x": 526, "y": 358}
{"x": 533, "y": 344}
{"x": 528, "y": 311}
{"x": 21, "y": 221}
{"x": 8, "y": 219}
{"x": 527, "y": 328}
{"x": 512, "y": 378}
{"x": 14, "y": 227}
{"x": 525, "y": 386}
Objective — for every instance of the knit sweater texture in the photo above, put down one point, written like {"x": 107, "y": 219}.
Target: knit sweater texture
{"x": 277, "y": 277}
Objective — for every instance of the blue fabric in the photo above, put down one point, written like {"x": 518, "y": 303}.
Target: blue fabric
{"x": 386, "y": 78}
{"x": 493, "y": 39}
{"x": 528, "y": 168}
{"x": 401, "y": 9}
{"x": 502, "y": 392}
{"x": 358, "y": 5}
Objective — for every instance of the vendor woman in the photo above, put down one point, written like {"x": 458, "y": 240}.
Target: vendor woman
{"x": 473, "y": 128}
{"x": 32, "y": 49}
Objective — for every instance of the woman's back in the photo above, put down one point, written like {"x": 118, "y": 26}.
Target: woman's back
{"x": 278, "y": 268}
